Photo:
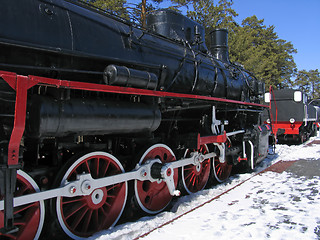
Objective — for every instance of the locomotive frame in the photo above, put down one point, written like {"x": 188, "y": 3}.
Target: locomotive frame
{"x": 90, "y": 133}
{"x": 21, "y": 84}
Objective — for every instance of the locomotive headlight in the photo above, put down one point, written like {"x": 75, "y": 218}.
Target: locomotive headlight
{"x": 297, "y": 96}
{"x": 292, "y": 120}
{"x": 268, "y": 121}
{"x": 267, "y": 97}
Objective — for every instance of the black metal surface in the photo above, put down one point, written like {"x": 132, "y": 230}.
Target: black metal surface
{"x": 156, "y": 170}
{"x": 287, "y": 108}
{"x": 55, "y": 118}
{"x": 61, "y": 39}
{"x": 123, "y": 76}
{"x": 173, "y": 25}
{"x": 219, "y": 44}
{"x": 262, "y": 145}
{"x": 8, "y": 177}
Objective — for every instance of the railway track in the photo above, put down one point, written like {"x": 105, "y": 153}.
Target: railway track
{"x": 188, "y": 204}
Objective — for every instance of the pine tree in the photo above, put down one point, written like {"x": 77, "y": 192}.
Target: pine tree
{"x": 259, "y": 49}
{"x": 213, "y": 16}
{"x": 115, "y": 7}
{"x": 309, "y": 82}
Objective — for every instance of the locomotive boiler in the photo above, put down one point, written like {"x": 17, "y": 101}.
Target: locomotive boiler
{"x": 102, "y": 119}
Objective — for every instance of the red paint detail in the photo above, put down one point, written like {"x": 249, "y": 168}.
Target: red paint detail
{"x": 155, "y": 196}
{"x": 20, "y": 84}
{"x": 272, "y": 119}
{"x": 212, "y": 139}
{"x": 132, "y": 91}
{"x": 222, "y": 170}
{"x": 194, "y": 179}
{"x": 169, "y": 172}
{"x": 27, "y": 217}
{"x": 83, "y": 209}
{"x": 9, "y": 77}
{"x": 288, "y": 127}
{"x": 242, "y": 159}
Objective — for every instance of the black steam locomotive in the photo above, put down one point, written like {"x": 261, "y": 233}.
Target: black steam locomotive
{"x": 101, "y": 118}
{"x": 293, "y": 116}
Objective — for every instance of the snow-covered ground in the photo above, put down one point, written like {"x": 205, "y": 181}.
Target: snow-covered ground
{"x": 267, "y": 206}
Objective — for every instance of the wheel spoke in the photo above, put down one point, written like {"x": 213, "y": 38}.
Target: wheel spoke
{"x": 106, "y": 169}
{"x": 87, "y": 220}
{"x": 113, "y": 187}
{"x": 79, "y": 218}
{"x": 73, "y": 210}
{"x": 82, "y": 216}
{"x": 96, "y": 167}
{"x": 190, "y": 174}
{"x": 22, "y": 190}
{"x": 222, "y": 171}
{"x": 87, "y": 166}
{"x": 28, "y": 218}
{"x": 194, "y": 178}
{"x": 24, "y": 207}
{"x": 96, "y": 219}
{"x": 71, "y": 200}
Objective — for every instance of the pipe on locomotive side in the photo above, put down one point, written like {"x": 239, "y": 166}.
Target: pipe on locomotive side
{"x": 57, "y": 118}
{"x": 128, "y": 77}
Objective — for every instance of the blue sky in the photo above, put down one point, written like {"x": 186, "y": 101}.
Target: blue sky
{"x": 296, "y": 21}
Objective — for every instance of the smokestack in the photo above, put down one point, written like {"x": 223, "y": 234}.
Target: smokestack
{"x": 219, "y": 44}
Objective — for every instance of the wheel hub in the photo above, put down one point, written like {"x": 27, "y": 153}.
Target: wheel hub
{"x": 97, "y": 198}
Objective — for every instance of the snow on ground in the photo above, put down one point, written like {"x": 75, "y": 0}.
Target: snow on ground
{"x": 267, "y": 206}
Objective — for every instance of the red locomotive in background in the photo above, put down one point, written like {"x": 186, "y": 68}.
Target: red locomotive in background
{"x": 101, "y": 118}
{"x": 294, "y": 117}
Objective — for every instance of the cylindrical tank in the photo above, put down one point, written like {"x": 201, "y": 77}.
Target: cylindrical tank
{"x": 57, "y": 118}
{"x": 219, "y": 44}
{"x": 128, "y": 77}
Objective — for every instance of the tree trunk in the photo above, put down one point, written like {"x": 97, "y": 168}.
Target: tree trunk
{"x": 144, "y": 13}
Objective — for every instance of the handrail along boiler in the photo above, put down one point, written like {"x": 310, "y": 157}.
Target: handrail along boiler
{"x": 101, "y": 118}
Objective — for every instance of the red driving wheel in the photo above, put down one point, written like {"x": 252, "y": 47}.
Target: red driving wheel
{"x": 28, "y": 218}
{"x": 153, "y": 197}
{"x": 81, "y": 216}
{"x": 195, "y": 177}
{"x": 221, "y": 169}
